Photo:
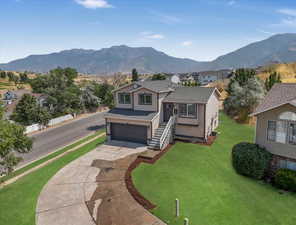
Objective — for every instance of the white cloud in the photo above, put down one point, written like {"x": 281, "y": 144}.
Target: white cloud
{"x": 288, "y": 12}
{"x": 152, "y": 36}
{"x": 165, "y": 18}
{"x": 289, "y": 22}
{"x": 187, "y": 43}
{"x": 94, "y": 4}
{"x": 231, "y": 3}
{"x": 265, "y": 32}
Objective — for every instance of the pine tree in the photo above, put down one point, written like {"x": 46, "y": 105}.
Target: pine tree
{"x": 135, "y": 75}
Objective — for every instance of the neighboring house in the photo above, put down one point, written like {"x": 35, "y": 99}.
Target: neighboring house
{"x": 207, "y": 77}
{"x": 9, "y": 96}
{"x": 155, "y": 112}
{"x": 276, "y": 125}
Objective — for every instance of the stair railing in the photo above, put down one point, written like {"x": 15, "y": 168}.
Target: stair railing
{"x": 167, "y": 133}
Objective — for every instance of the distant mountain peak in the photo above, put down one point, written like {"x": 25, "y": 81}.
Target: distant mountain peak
{"x": 122, "y": 58}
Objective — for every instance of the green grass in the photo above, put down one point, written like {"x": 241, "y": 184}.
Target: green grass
{"x": 46, "y": 158}
{"x": 210, "y": 191}
{"x": 18, "y": 200}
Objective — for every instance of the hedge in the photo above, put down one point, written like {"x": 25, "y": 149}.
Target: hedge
{"x": 250, "y": 160}
{"x": 285, "y": 179}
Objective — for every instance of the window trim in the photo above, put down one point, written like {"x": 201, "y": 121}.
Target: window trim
{"x": 187, "y": 115}
{"x": 287, "y": 141}
{"x": 124, "y": 100}
{"x": 145, "y": 102}
{"x": 289, "y": 133}
{"x": 273, "y": 141}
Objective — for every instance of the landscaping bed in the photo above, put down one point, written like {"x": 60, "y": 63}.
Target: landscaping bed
{"x": 209, "y": 189}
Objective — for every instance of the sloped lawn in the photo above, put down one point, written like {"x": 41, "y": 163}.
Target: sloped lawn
{"x": 210, "y": 191}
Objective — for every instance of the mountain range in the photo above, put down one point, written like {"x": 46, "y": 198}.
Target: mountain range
{"x": 278, "y": 48}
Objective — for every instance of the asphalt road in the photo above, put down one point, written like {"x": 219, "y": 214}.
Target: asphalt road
{"x": 54, "y": 138}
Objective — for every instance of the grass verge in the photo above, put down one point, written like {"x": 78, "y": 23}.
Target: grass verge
{"x": 210, "y": 191}
{"x": 18, "y": 200}
{"x": 48, "y": 157}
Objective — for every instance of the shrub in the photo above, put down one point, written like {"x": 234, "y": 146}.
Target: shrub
{"x": 250, "y": 160}
{"x": 285, "y": 179}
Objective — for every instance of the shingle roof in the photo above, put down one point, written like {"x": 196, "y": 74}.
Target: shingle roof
{"x": 190, "y": 95}
{"x": 130, "y": 114}
{"x": 280, "y": 94}
{"x": 153, "y": 85}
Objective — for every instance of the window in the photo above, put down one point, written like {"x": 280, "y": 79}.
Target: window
{"x": 188, "y": 110}
{"x": 271, "y": 131}
{"x": 145, "y": 99}
{"x": 124, "y": 98}
{"x": 286, "y": 164}
{"x": 281, "y": 132}
{"x": 292, "y": 133}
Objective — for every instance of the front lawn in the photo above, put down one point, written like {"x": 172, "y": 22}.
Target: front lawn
{"x": 18, "y": 200}
{"x": 210, "y": 191}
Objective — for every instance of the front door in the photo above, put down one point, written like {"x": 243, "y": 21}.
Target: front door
{"x": 168, "y": 111}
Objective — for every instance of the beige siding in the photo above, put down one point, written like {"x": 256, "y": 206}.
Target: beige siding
{"x": 116, "y": 99}
{"x": 192, "y": 127}
{"x": 212, "y": 114}
{"x": 152, "y": 107}
{"x": 285, "y": 150}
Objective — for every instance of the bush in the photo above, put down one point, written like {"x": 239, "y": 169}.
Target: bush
{"x": 285, "y": 179}
{"x": 250, "y": 160}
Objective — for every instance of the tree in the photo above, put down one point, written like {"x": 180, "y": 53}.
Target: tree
{"x": 272, "y": 80}
{"x": 3, "y": 74}
{"x": 241, "y": 76}
{"x": 104, "y": 92}
{"x": 24, "y": 77}
{"x": 135, "y": 75}
{"x": 158, "y": 76}
{"x": 28, "y": 112}
{"x": 89, "y": 100}
{"x": 243, "y": 97}
{"x": 12, "y": 140}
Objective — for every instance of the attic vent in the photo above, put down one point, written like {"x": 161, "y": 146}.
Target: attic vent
{"x": 288, "y": 116}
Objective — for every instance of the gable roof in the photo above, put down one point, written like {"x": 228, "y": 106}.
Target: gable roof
{"x": 153, "y": 85}
{"x": 191, "y": 95}
{"x": 280, "y": 94}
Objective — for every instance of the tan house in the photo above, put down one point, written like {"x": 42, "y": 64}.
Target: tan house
{"x": 276, "y": 125}
{"x": 156, "y": 112}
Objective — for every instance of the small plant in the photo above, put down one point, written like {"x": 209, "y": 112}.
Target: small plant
{"x": 250, "y": 160}
{"x": 285, "y": 179}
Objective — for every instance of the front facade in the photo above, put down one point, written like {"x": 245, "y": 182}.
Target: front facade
{"x": 147, "y": 112}
{"x": 276, "y": 125}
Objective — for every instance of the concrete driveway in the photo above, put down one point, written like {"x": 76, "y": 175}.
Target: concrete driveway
{"x": 79, "y": 193}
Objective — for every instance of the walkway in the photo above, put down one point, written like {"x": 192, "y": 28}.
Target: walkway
{"x": 91, "y": 190}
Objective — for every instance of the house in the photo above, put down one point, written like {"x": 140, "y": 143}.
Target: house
{"x": 9, "y": 96}
{"x": 156, "y": 112}
{"x": 207, "y": 77}
{"x": 276, "y": 125}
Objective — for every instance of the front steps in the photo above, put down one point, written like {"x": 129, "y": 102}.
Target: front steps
{"x": 154, "y": 144}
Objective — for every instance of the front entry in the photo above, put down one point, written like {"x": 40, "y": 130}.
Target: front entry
{"x": 168, "y": 111}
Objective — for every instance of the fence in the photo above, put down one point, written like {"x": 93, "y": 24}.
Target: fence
{"x": 52, "y": 122}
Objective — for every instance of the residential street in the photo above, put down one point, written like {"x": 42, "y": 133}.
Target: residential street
{"x": 55, "y": 138}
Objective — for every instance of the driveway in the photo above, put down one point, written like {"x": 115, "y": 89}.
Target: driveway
{"x": 54, "y": 138}
{"x": 91, "y": 190}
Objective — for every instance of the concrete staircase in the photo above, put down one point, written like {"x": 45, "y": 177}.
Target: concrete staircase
{"x": 155, "y": 142}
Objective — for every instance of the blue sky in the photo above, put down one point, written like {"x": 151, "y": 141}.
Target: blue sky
{"x": 197, "y": 29}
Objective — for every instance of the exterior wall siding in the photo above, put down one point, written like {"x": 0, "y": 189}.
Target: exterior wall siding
{"x": 212, "y": 114}
{"x": 152, "y": 107}
{"x": 192, "y": 127}
{"x": 285, "y": 150}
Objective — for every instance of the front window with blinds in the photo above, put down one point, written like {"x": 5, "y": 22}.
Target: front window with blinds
{"x": 124, "y": 98}
{"x": 271, "y": 131}
{"x": 292, "y": 133}
{"x": 188, "y": 110}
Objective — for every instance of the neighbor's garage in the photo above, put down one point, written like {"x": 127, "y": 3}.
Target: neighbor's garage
{"x": 128, "y": 132}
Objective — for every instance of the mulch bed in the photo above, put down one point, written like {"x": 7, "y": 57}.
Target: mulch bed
{"x": 129, "y": 181}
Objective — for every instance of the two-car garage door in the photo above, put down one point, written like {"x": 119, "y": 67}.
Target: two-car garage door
{"x": 127, "y": 132}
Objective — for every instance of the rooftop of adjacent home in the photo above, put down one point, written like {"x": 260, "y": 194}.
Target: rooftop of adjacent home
{"x": 280, "y": 94}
